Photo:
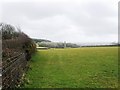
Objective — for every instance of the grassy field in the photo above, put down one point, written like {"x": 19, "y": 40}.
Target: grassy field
{"x": 74, "y": 68}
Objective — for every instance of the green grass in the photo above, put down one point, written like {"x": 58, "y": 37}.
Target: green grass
{"x": 74, "y": 68}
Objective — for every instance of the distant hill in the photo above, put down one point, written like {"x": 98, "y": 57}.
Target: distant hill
{"x": 40, "y": 40}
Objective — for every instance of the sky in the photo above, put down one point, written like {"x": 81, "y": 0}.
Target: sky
{"x": 64, "y": 20}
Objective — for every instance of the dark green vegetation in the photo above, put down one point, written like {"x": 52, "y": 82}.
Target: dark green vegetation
{"x": 71, "y": 68}
{"x": 40, "y": 40}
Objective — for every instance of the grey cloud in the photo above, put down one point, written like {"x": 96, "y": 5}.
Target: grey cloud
{"x": 73, "y": 22}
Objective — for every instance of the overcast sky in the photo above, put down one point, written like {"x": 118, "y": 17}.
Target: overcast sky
{"x": 64, "y": 20}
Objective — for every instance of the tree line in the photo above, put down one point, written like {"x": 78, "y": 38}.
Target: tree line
{"x": 57, "y": 44}
{"x": 14, "y": 40}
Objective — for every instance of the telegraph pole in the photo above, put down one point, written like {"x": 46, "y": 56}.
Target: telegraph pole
{"x": 64, "y": 44}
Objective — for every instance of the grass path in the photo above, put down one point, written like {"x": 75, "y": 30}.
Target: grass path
{"x": 71, "y": 68}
